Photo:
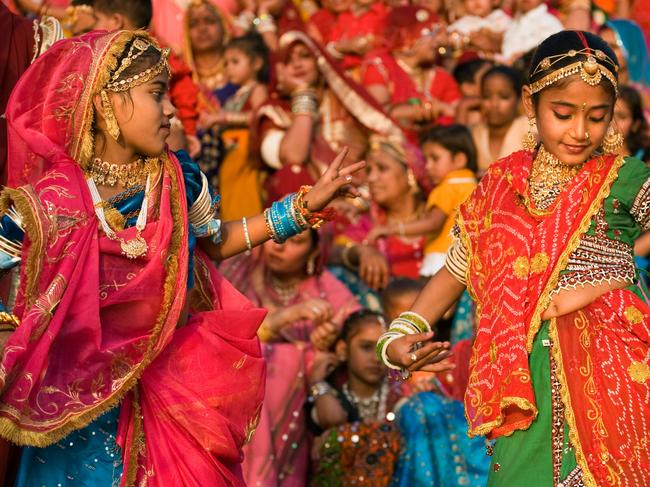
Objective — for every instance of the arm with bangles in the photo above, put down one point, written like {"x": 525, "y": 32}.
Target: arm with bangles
{"x": 239, "y": 236}
{"x": 431, "y": 222}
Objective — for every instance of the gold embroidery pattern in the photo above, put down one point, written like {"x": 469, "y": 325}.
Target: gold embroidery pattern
{"x": 520, "y": 267}
{"x": 633, "y": 315}
{"x": 639, "y": 372}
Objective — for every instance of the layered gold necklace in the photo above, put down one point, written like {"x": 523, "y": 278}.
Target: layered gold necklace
{"x": 547, "y": 178}
{"x": 127, "y": 175}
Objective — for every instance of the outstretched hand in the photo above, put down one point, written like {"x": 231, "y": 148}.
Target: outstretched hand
{"x": 334, "y": 182}
{"x": 430, "y": 357}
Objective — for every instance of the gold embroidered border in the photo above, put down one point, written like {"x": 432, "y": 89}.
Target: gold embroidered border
{"x": 28, "y": 207}
{"x": 587, "y": 476}
{"x": 573, "y": 243}
{"x": 16, "y": 434}
{"x": 137, "y": 440}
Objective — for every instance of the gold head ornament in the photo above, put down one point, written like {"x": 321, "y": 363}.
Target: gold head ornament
{"x": 138, "y": 47}
{"x": 590, "y": 70}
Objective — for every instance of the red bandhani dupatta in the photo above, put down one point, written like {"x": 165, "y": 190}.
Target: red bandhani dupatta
{"x": 515, "y": 258}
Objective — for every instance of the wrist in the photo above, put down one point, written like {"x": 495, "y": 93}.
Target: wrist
{"x": 320, "y": 388}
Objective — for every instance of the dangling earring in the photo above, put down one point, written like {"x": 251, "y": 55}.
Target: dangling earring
{"x": 311, "y": 266}
{"x": 413, "y": 184}
{"x": 109, "y": 116}
{"x": 529, "y": 142}
{"x": 613, "y": 140}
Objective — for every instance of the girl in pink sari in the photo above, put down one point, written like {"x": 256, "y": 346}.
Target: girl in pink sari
{"x": 119, "y": 304}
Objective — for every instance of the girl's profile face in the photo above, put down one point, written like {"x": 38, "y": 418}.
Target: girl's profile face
{"x": 499, "y": 101}
{"x": 240, "y": 68}
{"x": 301, "y": 64}
{"x": 144, "y": 119}
{"x": 387, "y": 178}
{"x": 205, "y": 30}
{"x": 290, "y": 257}
{"x": 478, "y": 8}
{"x": 361, "y": 357}
{"x": 572, "y": 118}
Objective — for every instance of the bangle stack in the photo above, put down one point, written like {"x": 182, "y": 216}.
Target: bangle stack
{"x": 291, "y": 216}
{"x": 202, "y": 214}
{"x": 304, "y": 102}
{"x": 320, "y": 389}
{"x": 264, "y": 23}
{"x": 345, "y": 256}
{"x": 407, "y": 323}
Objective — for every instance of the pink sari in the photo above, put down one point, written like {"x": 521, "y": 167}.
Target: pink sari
{"x": 98, "y": 329}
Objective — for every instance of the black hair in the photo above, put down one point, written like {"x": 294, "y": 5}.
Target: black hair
{"x": 637, "y": 139}
{"x": 466, "y": 72}
{"x": 513, "y": 76}
{"x": 139, "y": 12}
{"x": 400, "y": 286}
{"x": 456, "y": 139}
{"x": 562, "y": 43}
{"x": 355, "y": 321}
{"x": 252, "y": 44}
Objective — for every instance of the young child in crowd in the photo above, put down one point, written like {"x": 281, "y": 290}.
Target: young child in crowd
{"x": 632, "y": 123}
{"x": 468, "y": 75}
{"x": 502, "y": 130}
{"x": 353, "y": 404}
{"x": 481, "y": 16}
{"x": 239, "y": 179}
{"x": 531, "y": 25}
{"x": 451, "y": 163}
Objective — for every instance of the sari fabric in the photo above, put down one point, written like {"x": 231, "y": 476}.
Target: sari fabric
{"x": 98, "y": 329}
{"x": 515, "y": 256}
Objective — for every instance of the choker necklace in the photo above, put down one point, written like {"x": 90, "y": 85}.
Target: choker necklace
{"x": 548, "y": 177}
{"x": 285, "y": 292}
{"x": 373, "y": 407}
{"x": 137, "y": 246}
{"x": 127, "y": 175}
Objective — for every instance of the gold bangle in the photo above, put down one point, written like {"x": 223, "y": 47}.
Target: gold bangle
{"x": 345, "y": 256}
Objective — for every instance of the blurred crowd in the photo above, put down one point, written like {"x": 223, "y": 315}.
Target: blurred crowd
{"x": 267, "y": 92}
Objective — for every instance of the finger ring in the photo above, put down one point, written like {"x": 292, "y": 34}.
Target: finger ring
{"x": 413, "y": 357}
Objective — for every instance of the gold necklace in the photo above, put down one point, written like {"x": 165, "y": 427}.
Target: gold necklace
{"x": 548, "y": 176}
{"x": 127, "y": 175}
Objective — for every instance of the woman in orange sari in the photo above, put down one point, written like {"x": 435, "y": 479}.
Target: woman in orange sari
{"x": 559, "y": 373}
{"x": 125, "y": 346}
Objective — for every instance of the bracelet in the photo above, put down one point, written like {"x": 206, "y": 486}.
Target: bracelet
{"x": 8, "y": 321}
{"x": 304, "y": 102}
{"x": 382, "y": 348}
{"x": 401, "y": 230}
{"x": 249, "y": 246}
{"x": 345, "y": 256}
{"x": 415, "y": 319}
{"x": 314, "y": 218}
{"x": 320, "y": 389}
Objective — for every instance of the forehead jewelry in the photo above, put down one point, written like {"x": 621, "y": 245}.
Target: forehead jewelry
{"x": 138, "y": 47}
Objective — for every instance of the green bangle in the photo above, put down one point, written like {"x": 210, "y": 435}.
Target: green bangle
{"x": 414, "y": 101}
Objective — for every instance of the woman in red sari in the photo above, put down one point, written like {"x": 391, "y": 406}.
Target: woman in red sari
{"x": 560, "y": 366}
{"x": 118, "y": 307}
{"x": 403, "y": 78}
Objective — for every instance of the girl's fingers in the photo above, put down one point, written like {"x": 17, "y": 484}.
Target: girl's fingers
{"x": 334, "y": 166}
{"x": 437, "y": 368}
{"x": 352, "y": 168}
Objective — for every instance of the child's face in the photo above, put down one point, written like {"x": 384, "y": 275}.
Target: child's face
{"x": 361, "y": 357}
{"x": 440, "y": 161}
{"x": 572, "y": 118}
{"x": 205, "y": 29}
{"x": 478, "y": 8}
{"x": 499, "y": 101}
{"x": 240, "y": 68}
{"x": 144, "y": 120}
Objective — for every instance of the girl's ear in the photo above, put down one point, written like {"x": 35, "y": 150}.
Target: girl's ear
{"x": 460, "y": 160}
{"x": 341, "y": 350}
{"x": 258, "y": 63}
{"x": 527, "y": 102}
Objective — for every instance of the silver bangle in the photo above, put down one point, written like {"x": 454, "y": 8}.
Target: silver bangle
{"x": 249, "y": 246}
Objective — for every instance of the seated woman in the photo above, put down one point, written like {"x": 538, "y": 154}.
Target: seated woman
{"x": 315, "y": 110}
{"x": 351, "y": 406}
{"x": 307, "y": 306}
{"x": 403, "y": 77}
{"x": 502, "y": 130}
{"x": 397, "y": 182}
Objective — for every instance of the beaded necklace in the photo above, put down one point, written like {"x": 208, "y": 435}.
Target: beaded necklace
{"x": 373, "y": 407}
{"x": 547, "y": 178}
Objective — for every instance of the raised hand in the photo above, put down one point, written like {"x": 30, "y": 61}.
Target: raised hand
{"x": 408, "y": 353}
{"x": 335, "y": 181}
